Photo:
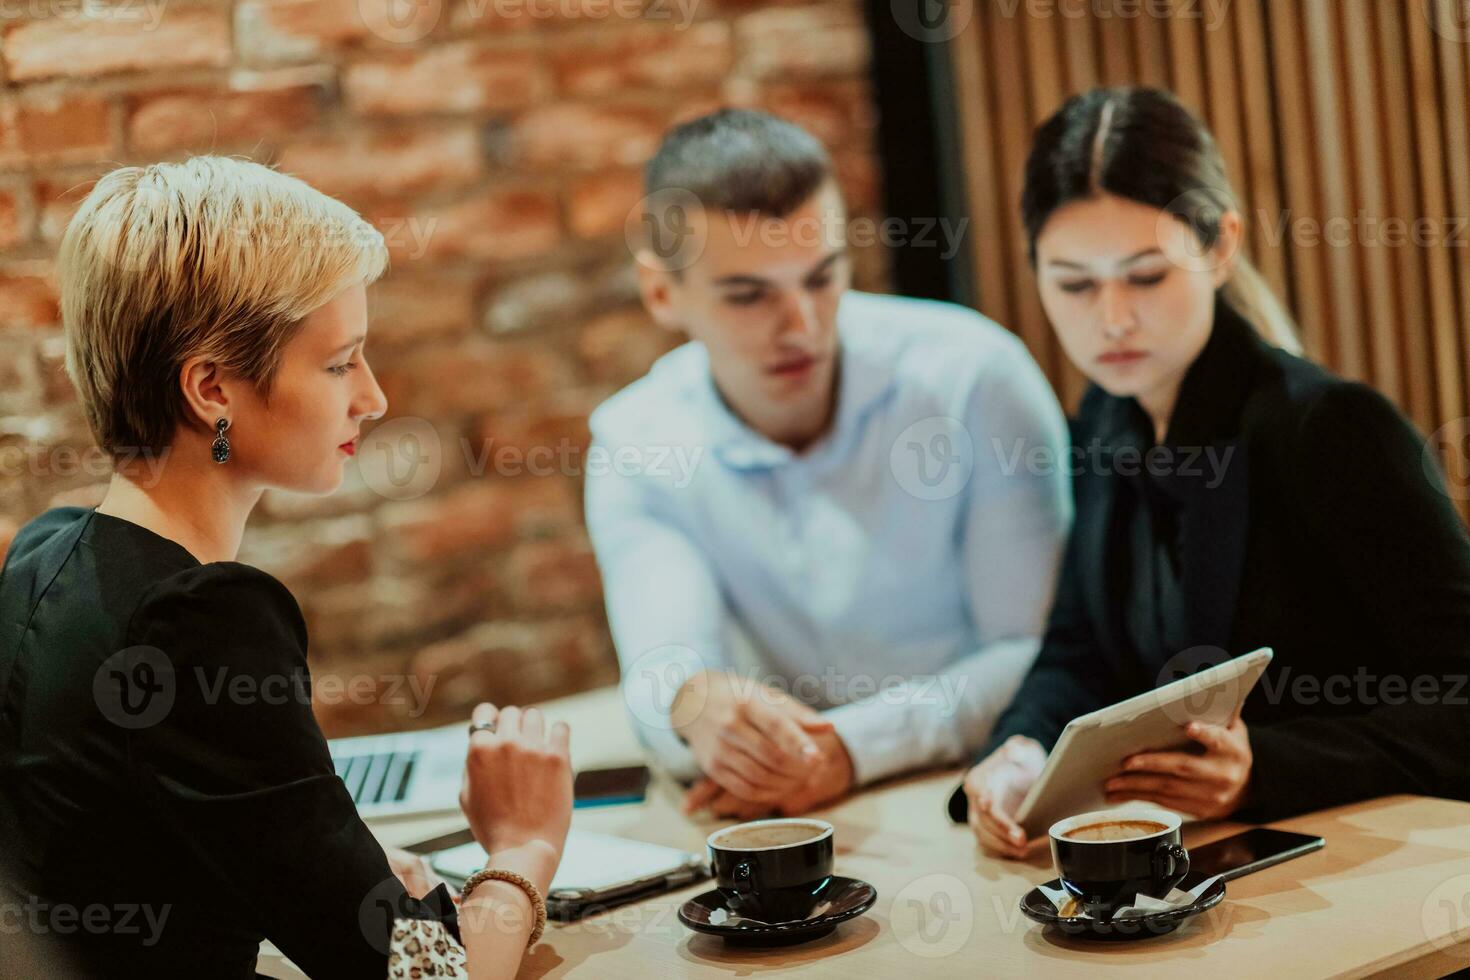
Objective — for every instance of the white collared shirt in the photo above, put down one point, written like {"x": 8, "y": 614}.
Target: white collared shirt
{"x": 896, "y": 574}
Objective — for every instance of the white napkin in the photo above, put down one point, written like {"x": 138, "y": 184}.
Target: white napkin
{"x": 1142, "y": 904}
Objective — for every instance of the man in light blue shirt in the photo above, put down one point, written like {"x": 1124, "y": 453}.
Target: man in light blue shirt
{"x": 830, "y": 524}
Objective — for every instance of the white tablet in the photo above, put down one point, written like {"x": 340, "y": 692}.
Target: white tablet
{"x": 1093, "y": 746}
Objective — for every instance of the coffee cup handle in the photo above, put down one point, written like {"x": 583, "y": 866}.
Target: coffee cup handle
{"x": 1171, "y": 864}
{"x": 742, "y": 877}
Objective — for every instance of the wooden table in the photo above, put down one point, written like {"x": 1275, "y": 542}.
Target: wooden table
{"x": 1390, "y": 894}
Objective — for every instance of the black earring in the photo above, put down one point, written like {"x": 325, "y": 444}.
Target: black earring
{"x": 220, "y": 448}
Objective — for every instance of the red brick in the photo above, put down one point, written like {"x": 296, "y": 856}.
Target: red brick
{"x": 543, "y": 439}
{"x": 474, "y": 377}
{"x": 554, "y": 575}
{"x": 28, "y": 298}
{"x": 516, "y": 662}
{"x": 463, "y": 76}
{"x": 655, "y": 56}
{"x": 783, "y": 42}
{"x": 294, "y": 30}
{"x": 501, "y": 16}
{"x": 83, "y": 47}
{"x": 496, "y": 224}
{"x": 409, "y": 307}
{"x": 57, "y": 199}
{"x": 324, "y": 551}
{"x": 18, "y": 383}
{"x": 17, "y": 216}
{"x": 857, "y": 174}
{"x": 366, "y": 165}
{"x": 477, "y": 517}
{"x": 61, "y": 127}
{"x": 56, "y": 387}
{"x": 8, "y": 529}
{"x": 599, "y": 204}
{"x": 620, "y": 346}
{"x": 559, "y": 295}
{"x": 835, "y": 112}
{"x": 254, "y": 106}
{"x": 587, "y": 136}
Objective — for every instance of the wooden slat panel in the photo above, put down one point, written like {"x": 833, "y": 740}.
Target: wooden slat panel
{"x": 994, "y": 278}
{"x": 1309, "y": 290}
{"x": 1322, "y": 109}
{"x": 1453, "y": 54}
{"x": 1013, "y": 123}
{"x": 1263, "y": 202}
{"x": 1371, "y": 197}
{"x": 1412, "y": 321}
{"x": 1332, "y": 171}
{"x": 1151, "y": 51}
{"x": 1186, "y": 59}
{"x": 1222, "y": 90}
{"x": 1429, "y": 170}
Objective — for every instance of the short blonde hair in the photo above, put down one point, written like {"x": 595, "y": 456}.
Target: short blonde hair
{"x": 213, "y": 256}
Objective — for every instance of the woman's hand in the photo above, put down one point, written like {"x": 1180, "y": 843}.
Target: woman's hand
{"x": 995, "y": 789}
{"x": 417, "y": 877}
{"x": 517, "y": 792}
{"x": 1209, "y": 783}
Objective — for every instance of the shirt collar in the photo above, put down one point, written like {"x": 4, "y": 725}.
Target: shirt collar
{"x": 864, "y": 376}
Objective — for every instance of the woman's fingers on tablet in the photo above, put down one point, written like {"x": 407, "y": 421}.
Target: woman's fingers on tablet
{"x": 1171, "y": 763}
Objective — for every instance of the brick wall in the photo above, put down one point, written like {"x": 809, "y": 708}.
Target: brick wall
{"x": 497, "y": 144}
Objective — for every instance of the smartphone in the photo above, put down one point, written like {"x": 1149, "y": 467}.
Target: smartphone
{"x": 604, "y": 787}
{"x": 1252, "y": 850}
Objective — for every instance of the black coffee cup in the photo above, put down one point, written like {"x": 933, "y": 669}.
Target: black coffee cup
{"x": 772, "y": 870}
{"x": 1107, "y": 857}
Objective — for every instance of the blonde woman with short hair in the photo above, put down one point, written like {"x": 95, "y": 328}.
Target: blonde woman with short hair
{"x": 154, "y": 763}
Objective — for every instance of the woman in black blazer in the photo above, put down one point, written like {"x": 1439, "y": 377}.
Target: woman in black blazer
{"x": 168, "y": 799}
{"x": 1230, "y": 495}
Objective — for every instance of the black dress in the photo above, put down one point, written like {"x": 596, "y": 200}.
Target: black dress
{"x": 1294, "y": 510}
{"x": 161, "y": 771}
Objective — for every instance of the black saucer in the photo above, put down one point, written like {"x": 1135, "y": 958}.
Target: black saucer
{"x": 835, "y": 900}
{"x": 1038, "y": 908}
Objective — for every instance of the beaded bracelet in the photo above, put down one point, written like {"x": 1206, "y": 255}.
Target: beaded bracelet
{"x": 538, "y": 904}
